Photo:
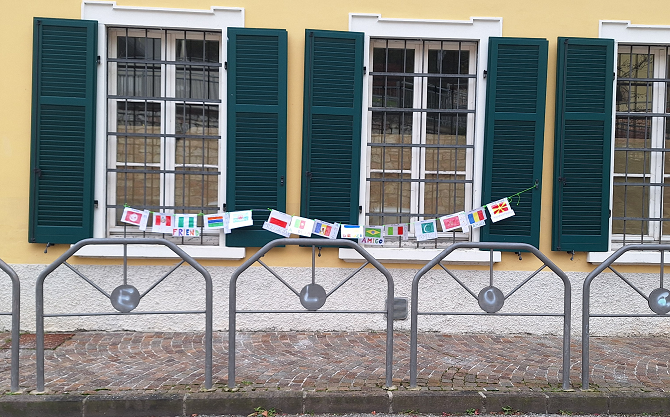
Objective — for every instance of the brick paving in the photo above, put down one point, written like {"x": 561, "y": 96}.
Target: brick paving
{"x": 108, "y": 362}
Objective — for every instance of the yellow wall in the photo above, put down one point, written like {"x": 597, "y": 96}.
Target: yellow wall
{"x": 521, "y": 18}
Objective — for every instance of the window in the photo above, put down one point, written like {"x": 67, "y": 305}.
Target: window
{"x": 641, "y": 201}
{"x": 163, "y": 139}
{"x": 421, "y": 141}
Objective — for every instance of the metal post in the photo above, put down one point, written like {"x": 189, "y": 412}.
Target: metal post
{"x": 16, "y": 323}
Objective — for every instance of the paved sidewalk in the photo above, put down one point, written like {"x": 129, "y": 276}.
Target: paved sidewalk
{"x": 90, "y": 362}
{"x": 162, "y": 374}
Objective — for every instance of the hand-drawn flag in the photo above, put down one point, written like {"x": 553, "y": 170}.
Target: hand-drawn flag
{"x": 326, "y": 229}
{"x": 278, "y": 223}
{"x": 454, "y": 221}
{"x": 500, "y": 210}
{"x": 372, "y": 235}
{"x": 240, "y": 219}
{"x": 215, "y": 221}
{"x": 425, "y": 229}
{"x": 351, "y": 231}
{"x": 301, "y": 226}
{"x": 163, "y": 223}
{"x": 477, "y": 218}
{"x": 373, "y": 231}
{"x": 396, "y": 230}
{"x": 137, "y": 217}
{"x": 187, "y": 221}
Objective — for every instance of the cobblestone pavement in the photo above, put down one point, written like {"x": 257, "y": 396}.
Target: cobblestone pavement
{"x": 90, "y": 362}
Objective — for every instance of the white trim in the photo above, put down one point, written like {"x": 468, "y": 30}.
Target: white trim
{"x": 628, "y": 258}
{"x": 478, "y": 29}
{"x": 107, "y": 13}
{"x": 624, "y": 31}
{"x": 152, "y": 251}
{"x": 421, "y": 256}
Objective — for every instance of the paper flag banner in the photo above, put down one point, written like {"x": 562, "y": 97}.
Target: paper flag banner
{"x": 137, "y": 217}
{"x": 350, "y": 231}
{"x": 240, "y": 219}
{"x": 216, "y": 221}
{"x": 372, "y": 235}
{"x": 187, "y": 221}
{"x": 425, "y": 229}
{"x": 278, "y": 223}
{"x": 301, "y": 226}
{"x": 397, "y": 230}
{"x": 500, "y": 210}
{"x": 326, "y": 229}
{"x": 454, "y": 221}
{"x": 477, "y": 218}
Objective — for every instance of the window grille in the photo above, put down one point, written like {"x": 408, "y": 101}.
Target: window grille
{"x": 163, "y": 131}
{"x": 641, "y": 204}
{"x": 421, "y": 143}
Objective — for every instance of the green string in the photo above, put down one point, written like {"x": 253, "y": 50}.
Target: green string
{"x": 518, "y": 195}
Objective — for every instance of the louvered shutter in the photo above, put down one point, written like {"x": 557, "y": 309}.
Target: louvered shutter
{"x": 583, "y": 144}
{"x": 332, "y": 125}
{"x": 514, "y": 135}
{"x": 256, "y": 167}
{"x": 63, "y": 130}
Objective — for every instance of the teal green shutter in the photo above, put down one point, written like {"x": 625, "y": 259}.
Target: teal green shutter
{"x": 514, "y": 135}
{"x": 256, "y": 167}
{"x": 331, "y": 138}
{"x": 63, "y": 130}
{"x": 583, "y": 144}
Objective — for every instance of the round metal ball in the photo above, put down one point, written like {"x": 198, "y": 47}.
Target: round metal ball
{"x": 491, "y": 299}
{"x": 659, "y": 301}
{"x": 125, "y": 298}
{"x": 312, "y": 297}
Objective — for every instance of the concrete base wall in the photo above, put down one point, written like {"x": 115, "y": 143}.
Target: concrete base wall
{"x": 184, "y": 289}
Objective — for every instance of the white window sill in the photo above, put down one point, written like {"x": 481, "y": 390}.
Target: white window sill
{"x": 628, "y": 258}
{"x": 158, "y": 251}
{"x": 421, "y": 256}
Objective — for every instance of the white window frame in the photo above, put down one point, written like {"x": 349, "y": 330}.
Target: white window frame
{"x": 216, "y": 19}
{"x": 627, "y": 33}
{"x": 477, "y": 29}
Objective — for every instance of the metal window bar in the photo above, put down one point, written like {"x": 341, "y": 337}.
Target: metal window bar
{"x": 16, "y": 323}
{"x": 455, "y": 179}
{"x": 62, "y": 260}
{"x": 491, "y": 299}
{"x": 140, "y": 75}
{"x": 642, "y": 110}
{"x": 305, "y": 295}
{"x": 656, "y": 300}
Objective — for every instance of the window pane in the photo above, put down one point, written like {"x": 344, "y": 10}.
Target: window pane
{"x": 389, "y": 196}
{"x": 393, "y": 91}
{"x": 449, "y": 61}
{"x": 196, "y": 190}
{"x": 138, "y": 118}
{"x": 137, "y": 190}
{"x": 444, "y": 198}
{"x": 194, "y": 119}
{"x": 136, "y": 78}
{"x": 630, "y": 201}
{"x": 193, "y": 81}
{"x": 634, "y": 96}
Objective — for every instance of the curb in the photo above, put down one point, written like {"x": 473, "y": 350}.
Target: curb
{"x": 300, "y": 402}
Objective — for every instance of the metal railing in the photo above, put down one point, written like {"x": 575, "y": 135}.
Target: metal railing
{"x": 658, "y": 300}
{"x": 491, "y": 299}
{"x": 312, "y": 296}
{"x": 124, "y": 298}
{"x": 16, "y": 323}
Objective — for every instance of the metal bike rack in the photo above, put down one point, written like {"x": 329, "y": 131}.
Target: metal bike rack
{"x": 124, "y": 298}
{"x": 491, "y": 299}
{"x": 16, "y": 323}
{"x": 658, "y": 300}
{"x": 312, "y": 296}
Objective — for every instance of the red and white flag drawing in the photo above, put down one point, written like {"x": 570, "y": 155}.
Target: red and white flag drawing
{"x": 278, "y": 223}
{"x": 136, "y": 217}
